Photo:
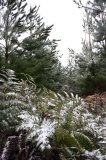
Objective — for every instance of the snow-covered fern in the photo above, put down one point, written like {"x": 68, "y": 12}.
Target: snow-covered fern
{"x": 51, "y": 112}
{"x": 14, "y": 98}
{"x": 45, "y": 115}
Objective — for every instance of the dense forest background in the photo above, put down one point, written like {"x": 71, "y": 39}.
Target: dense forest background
{"x": 41, "y": 114}
{"x": 26, "y": 48}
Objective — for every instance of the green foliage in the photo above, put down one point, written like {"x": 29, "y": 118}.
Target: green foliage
{"x": 60, "y": 113}
{"x": 84, "y": 141}
{"x": 13, "y": 100}
{"x": 38, "y": 61}
{"x": 32, "y": 53}
{"x": 10, "y": 100}
{"x": 64, "y": 138}
{"x": 50, "y": 121}
{"x": 12, "y": 25}
{"x": 90, "y": 73}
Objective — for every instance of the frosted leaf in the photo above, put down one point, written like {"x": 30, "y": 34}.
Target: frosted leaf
{"x": 95, "y": 154}
{"x": 28, "y": 120}
{"x": 72, "y": 95}
{"x": 11, "y": 72}
{"x": 51, "y": 104}
{"x": 55, "y": 95}
{"x": 70, "y": 104}
{"x": 66, "y": 94}
{"x": 33, "y": 109}
{"x": 12, "y": 94}
{"x": 2, "y": 80}
{"x": 60, "y": 96}
{"x": 5, "y": 122}
{"x": 77, "y": 98}
{"x": 12, "y": 83}
{"x": 63, "y": 111}
{"x": 45, "y": 131}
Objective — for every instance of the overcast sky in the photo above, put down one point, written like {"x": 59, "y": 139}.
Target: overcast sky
{"x": 67, "y": 20}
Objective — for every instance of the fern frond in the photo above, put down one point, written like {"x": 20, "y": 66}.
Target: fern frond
{"x": 12, "y": 100}
{"x": 64, "y": 138}
{"x": 84, "y": 140}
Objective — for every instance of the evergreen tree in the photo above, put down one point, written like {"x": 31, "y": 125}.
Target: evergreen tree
{"x": 92, "y": 62}
{"x": 38, "y": 58}
{"x": 12, "y": 25}
{"x": 25, "y": 44}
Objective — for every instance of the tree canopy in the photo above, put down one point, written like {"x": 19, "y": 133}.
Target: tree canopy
{"x": 25, "y": 45}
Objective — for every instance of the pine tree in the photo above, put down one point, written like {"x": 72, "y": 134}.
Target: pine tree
{"x": 25, "y": 44}
{"x": 38, "y": 58}
{"x": 92, "y": 62}
{"x": 38, "y": 54}
{"x": 12, "y": 25}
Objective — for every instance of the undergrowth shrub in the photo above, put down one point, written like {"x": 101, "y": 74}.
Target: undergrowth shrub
{"x": 55, "y": 125}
